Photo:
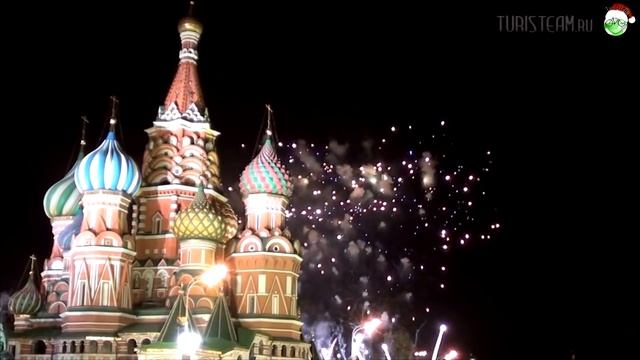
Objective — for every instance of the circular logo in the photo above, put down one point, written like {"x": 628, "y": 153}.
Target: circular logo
{"x": 616, "y": 22}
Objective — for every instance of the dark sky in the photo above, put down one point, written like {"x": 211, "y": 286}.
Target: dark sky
{"x": 556, "y": 108}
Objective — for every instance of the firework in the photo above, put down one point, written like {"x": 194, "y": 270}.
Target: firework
{"x": 379, "y": 221}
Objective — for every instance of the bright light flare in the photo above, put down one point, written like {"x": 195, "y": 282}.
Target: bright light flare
{"x": 451, "y": 355}
{"x": 371, "y": 326}
{"x": 214, "y": 275}
{"x": 385, "y": 348}
{"x": 443, "y": 328}
{"x": 188, "y": 343}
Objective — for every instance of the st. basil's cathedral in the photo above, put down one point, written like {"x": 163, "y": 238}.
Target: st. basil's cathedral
{"x": 131, "y": 245}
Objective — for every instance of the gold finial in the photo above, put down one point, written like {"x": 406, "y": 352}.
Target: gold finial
{"x": 33, "y": 264}
{"x": 269, "y": 113}
{"x": 114, "y": 104}
{"x": 189, "y": 23}
{"x": 85, "y": 121}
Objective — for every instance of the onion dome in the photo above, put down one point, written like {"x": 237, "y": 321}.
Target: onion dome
{"x": 63, "y": 198}
{"x": 190, "y": 24}
{"x": 229, "y": 217}
{"x": 199, "y": 220}
{"x": 26, "y": 301}
{"x": 108, "y": 168}
{"x": 265, "y": 173}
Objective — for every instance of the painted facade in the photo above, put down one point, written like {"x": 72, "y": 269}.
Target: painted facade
{"x": 131, "y": 242}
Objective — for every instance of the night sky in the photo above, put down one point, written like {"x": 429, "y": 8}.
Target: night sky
{"x": 555, "y": 110}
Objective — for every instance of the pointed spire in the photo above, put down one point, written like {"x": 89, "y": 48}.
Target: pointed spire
{"x": 83, "y": 138}
{"x": 268, "y": 138}
{"x": 191, "y": 4}
{"x": 113, "y": 119}
{"x": 33, "y": 265}
{"x": 269, "y": 114}
{"x": 220, "y": 324}
{"x": 185, "y": 92}
{"x": 179, "y": 316}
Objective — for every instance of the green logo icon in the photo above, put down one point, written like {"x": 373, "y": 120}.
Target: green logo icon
{"x": 618, "y": 19}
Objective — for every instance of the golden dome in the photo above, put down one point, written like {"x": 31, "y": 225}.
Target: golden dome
{"x": 190, "y": 24}
{"x": 200, "y": 220}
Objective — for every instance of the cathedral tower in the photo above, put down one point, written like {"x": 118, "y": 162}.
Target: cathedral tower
{"x": 128, "y": 276}
{"x": 102, "y": 253}
{"x": 61, "y": 205}
{"x": 26, "y": 302}
{"x": 203, "y": 228}
{"x": 265, "y": 263}
{"x": 179, "y": 156}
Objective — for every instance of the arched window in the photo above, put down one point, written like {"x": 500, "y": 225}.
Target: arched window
{"x": 252, "y": 304}
{"x": 136, "y": 280}
{"x": 156, "y": 227}
{"x": 292, "y": 352}
{"x": 274, "y": 350}
{"x": 81, "y": 347}
{"x": 107, "y": 347}
{"x": 148, "y": 279}
{"x": 283, "y": 351}
{"x": 146, "y": 342}
{"x": 164, "y": 279}
{"x": 39, "y": 347}
{"x": 132, "y": 345}
{"x": 72, "y": 348}
{"x": 64, "y": 347}
{"x": 275, "y": 305}
{"x": 93, "y": 347}
{"x": 104, "y": 296}
{"x": 57, "y": 307}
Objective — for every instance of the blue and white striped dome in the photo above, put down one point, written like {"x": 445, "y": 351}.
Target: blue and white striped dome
{"x": 108, "y": 168}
